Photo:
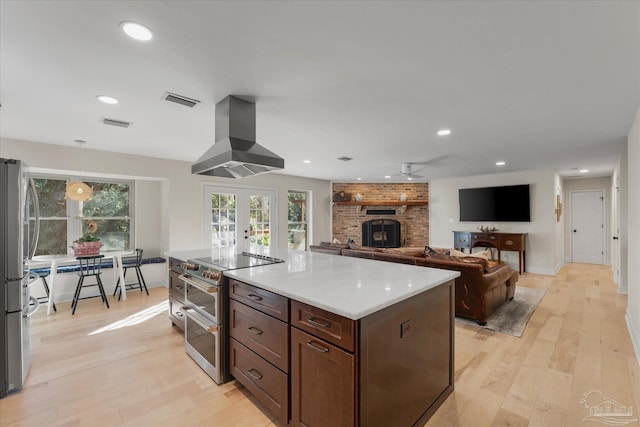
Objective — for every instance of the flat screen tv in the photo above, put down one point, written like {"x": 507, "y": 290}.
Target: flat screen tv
{"x": 500, "y": 204}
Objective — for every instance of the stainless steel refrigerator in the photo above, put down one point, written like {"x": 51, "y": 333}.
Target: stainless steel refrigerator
{"x": 18, "y": 237}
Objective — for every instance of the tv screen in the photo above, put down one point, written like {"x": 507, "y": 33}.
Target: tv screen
{"x": 500, "y": 204}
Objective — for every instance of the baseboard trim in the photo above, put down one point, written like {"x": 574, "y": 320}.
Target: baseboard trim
{"x": 634, "y": 334}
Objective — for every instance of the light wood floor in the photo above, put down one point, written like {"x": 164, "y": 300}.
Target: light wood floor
{"x": 127, "y": 366}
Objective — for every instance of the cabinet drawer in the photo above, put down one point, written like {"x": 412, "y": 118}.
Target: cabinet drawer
{"x": 263, "y": 334}
{"x": 511, "y": 242}
{"x": 461, "y": 239}
{"x": 174, "y": 264}
{"x": 331, "y": 327}
{"x": 175, "y": 313}
{"x": 484, "y": 237}
{"x": 176, "y": 286}
{"x": 273, "y": 304}
{"x": 266, "y": 383}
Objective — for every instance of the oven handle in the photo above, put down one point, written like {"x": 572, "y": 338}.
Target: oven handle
{"x": 193, "y": 315}
{"x": 208, "y": 289}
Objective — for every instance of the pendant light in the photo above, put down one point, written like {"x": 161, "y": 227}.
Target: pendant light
{"x": 78, "y": 190}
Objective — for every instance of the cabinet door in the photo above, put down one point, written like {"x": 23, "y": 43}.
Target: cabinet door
{"x": 322, "y": 383}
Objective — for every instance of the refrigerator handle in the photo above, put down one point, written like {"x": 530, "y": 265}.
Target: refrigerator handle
{"x": 36, "y": 306}
{"x": 36, "y": 228}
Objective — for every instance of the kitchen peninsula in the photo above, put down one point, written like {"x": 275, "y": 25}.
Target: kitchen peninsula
{"x": 326, "y": 340}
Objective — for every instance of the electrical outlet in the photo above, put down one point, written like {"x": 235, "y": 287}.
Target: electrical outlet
{"x": 406, "y": 328}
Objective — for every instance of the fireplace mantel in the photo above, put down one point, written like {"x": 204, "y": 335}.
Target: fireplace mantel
{"x": 402, "y": 204}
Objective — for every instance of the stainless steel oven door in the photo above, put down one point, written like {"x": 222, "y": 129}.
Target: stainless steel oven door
{"x": 202, "y": 343}
{"x": 203, "y": 297}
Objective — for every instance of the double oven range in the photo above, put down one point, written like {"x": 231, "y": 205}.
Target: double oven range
{"x": 206, "y": 308}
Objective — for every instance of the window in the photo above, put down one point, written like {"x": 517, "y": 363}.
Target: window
{"x": 63, "y": 221}
{"x": 298, "y": 220}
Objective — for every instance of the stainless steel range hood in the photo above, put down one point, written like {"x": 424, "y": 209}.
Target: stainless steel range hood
{"x": 235, "y": 153}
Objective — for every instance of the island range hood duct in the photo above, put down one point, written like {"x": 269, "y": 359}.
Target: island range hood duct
{"x": 235, "y": 153}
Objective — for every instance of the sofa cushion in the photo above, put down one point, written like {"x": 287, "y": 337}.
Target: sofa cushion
{"x": 484, "y": 254}
{"x": 461, "y": 259}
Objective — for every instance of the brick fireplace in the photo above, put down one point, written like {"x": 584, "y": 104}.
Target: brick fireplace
{"x": 382, "y": 201}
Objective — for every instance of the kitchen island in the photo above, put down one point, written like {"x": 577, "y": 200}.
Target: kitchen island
{"x": 323, "y": 340}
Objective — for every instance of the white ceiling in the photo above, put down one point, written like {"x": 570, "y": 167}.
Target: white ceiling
{"x": 540, "y": 85}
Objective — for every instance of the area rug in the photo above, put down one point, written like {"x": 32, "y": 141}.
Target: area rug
{"x": 512, "y": 317}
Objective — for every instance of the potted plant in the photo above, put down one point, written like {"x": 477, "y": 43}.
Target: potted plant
{"x": 88, "y": 244}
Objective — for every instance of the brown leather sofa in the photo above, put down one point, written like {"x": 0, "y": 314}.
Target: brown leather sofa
{"x": 482, "y": 287}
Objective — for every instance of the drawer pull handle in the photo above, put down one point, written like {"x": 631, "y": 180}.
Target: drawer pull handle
{"x": 179, "y": 314}
{"x": 254, "y": 330}
{"x": 509, "y": 242}
{"x": 313, "y": 321}
{"x": 255, "y": 374}
{"x": 317, "y": 348}
{"x": 255, "y": 297}
{"x": 462, "y": 240}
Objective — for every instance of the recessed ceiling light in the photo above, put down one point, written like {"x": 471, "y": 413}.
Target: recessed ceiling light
{"x": 387, "y": 176}
{"x": 107, "y": 99}
{"x": 136, "y": 31}
{"x": 306, "y": 161}
{"x": 444, "y": 132}
{"x": 501, "y": 163}
{"x": 584, "y": 170}
{"x": 359, "y": 179}
{"x": 409, "y": 179}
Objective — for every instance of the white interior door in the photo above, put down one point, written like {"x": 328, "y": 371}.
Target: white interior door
{"x": 240, "y": 218}
{"x": 587, "y": 226}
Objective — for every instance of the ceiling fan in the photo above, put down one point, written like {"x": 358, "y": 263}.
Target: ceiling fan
{"x": 407, "y": 172}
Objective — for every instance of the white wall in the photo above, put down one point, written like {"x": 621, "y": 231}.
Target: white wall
{"x": 584, "y": 184}
{"x": 542, "y": 246}
{"x": 619, "y": 228}
{"x": 633, "y": 265}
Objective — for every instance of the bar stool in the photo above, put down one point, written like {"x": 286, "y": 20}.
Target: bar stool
{"x": 90, "y": 266}
{"x": 135, "y": 263}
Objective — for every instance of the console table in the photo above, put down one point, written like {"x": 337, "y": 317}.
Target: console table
{"x": 501, "y": 241}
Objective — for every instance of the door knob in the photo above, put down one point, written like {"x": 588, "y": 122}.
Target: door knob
{"x": 575, "y": 231}
{"x": 615, "y": 237}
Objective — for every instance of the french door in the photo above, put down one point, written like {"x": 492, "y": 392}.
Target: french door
{"x": 239, "y": 218}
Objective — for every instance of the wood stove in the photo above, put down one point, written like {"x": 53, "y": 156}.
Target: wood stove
{"x": 381, "y": 233}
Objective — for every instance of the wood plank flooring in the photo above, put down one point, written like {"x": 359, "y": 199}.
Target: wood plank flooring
{"x": 126, "y": 365}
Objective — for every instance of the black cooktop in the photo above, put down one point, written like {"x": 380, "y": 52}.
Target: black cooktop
{"x": 236, "y": 261}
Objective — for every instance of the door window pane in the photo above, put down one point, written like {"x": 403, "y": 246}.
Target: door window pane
{"x": 259, "y": 216}
{"x": 223, "y": 220}
{"x": 297, "y": 220}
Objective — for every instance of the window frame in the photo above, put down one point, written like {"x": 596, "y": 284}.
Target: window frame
{"x": 74, "y": 208}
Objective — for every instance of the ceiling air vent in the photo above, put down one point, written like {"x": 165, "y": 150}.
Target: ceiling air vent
{"x": 345, "y": 159}
{"x": 179, "y": 99}
{"x": 118, "y": 123}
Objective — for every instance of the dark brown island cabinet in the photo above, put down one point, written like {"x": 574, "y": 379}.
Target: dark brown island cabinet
{"x": 176, "y": 294}
{"x": 315, "y": 368}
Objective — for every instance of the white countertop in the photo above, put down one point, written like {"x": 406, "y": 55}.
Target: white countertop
{"x": 350, "y": 287}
